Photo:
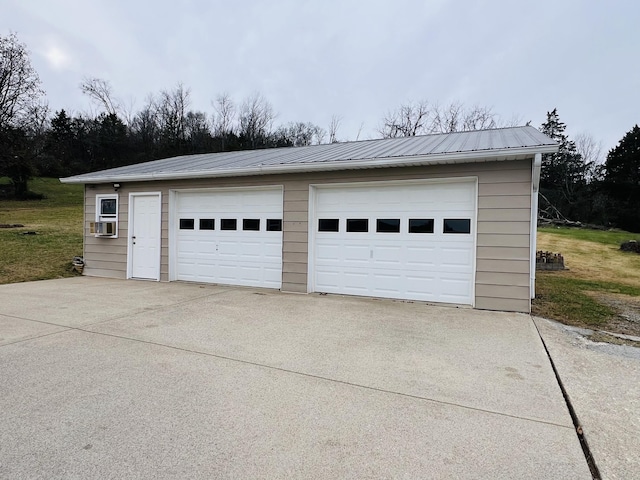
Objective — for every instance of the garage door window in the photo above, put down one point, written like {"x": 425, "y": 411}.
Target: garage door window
{"x": 187, "y": 224}
{"x": 252, "y": 224}
{"x": 274, "y": 225}
{"x": 457, "y": 225}
{"x": 207, "y": 224}
{"x": 388, "y": 225}
{"x": 228, "y": 224}
{"x": 421, "y": 225}
{"x": 357, "y": 225}
{"x": 328, "y": 225}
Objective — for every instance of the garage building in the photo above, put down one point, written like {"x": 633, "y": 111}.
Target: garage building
{"x": 447, "y": 218}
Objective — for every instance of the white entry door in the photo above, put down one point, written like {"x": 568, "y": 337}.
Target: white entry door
{"x": 144, "y": 235}
{"x": 229, "y": 236}
{"x": 409, "y": 240}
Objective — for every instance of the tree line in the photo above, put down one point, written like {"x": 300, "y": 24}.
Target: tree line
{"x": 576, "y": 187}
{"x": 575, "y": 184}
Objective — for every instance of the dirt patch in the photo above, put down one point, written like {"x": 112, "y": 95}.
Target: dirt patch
{"x": 627, "y": 320}
{"x": 603, "y": 337}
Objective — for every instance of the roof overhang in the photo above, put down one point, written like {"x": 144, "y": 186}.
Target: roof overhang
{"x": 476, "y": 156}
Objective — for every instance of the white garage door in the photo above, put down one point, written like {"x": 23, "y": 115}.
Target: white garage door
{"x": 409, "y": 241}
{"x": 232, "y": 237}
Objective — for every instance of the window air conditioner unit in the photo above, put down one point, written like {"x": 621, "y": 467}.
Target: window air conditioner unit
{"x": 103, "y": 229}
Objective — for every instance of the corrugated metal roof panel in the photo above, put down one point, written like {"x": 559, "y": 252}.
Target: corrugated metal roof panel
{"x": 442, "y": 148}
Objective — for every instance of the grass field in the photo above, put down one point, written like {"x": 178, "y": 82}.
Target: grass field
{"x": 600, "y": 277}
{"x": 57, "y": 221}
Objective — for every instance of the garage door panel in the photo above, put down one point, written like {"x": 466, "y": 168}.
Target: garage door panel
{"x": 326, "y": 279}
{"x": 432, "y": 266}
{"x": 273, "y": 252}
{"x": 357, "y": 254}
{"x": 236, "y": 257}
{"x": 421, "y": 257}
{"x": 385, "y": 284}
{"x": 423, "y": 284}
{"x": 461, "y": 257}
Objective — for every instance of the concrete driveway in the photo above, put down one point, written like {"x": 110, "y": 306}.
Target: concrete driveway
{"x": 123, "y": 379}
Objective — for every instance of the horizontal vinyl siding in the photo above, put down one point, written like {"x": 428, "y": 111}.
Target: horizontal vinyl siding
{"x": 107, "y": 273}
{"x": 295, "y": 228}
{"x": 497, "y": 201}
{"x": 504, "y": 199}
{"x": 105, "y": 257}
{"x": 503, "y": 291}
{"x": 500, "y": 279}
{"x": 504, "y": 304}
{"x": 504, "y": 189}
{"x": 504, "y": 226}
{"x": 503, "y": 240}
{"x": 503, "y": 253}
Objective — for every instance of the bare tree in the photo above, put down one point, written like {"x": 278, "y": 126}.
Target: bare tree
{"x": 455, "y": 117}
{"x": 302, "y": 134}
{"x": 407, "y": 120}
{"x": 145, "y": 124}
{"x": 422, "y": 118}
{"x": 101, "y": 93}
{"x": 515, "y": 121}
{"x": 255, "y": 119}
{"x": 445, "y": 119}
{"x": 478, "y": 118}
{"x": 333, "y": 128}
{"x": 198, "y": 130}
{"x": 588, "y": 148}
{"x": 224, "y": 116}
{"x": 20, "y": 90}
{"x": 172, "y": 108}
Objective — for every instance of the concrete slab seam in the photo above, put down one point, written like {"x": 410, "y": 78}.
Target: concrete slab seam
{"x": 318, "y": 377}
{"x": 593, "y": 468}
{"x": 35, "y": 337}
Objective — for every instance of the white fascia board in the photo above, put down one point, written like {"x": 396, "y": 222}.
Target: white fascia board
{"x": 443, "y": 158}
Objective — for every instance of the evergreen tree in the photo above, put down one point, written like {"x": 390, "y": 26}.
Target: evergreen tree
{"x": 622, "y": 181}
{"x": 562, "y": 179}
{"x": 59, "y": 155}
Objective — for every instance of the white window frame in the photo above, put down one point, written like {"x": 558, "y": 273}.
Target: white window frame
{"x": 109, "y": 217}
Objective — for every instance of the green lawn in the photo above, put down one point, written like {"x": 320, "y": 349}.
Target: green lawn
{"x": 57, "y": 221}
{"x": 597, "y": 271}
{"x": 608, "y": 237}
{"x": 570, "y": 300}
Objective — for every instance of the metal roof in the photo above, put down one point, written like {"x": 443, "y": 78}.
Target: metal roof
{"x": 458, "y": 147}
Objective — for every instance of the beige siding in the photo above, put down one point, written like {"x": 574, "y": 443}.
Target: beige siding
{"x": 497, "y": 201}
{"x": 104, "y": 257}
{"x": 501, "y": 278}
{"x": 295, "y": 228}
{"x": 503, "y": 253}
{"x": 504, "y": 304}
{"x": 504, "y": 200}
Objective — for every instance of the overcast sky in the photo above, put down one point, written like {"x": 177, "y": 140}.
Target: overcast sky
{"x": 355, "y": 59}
